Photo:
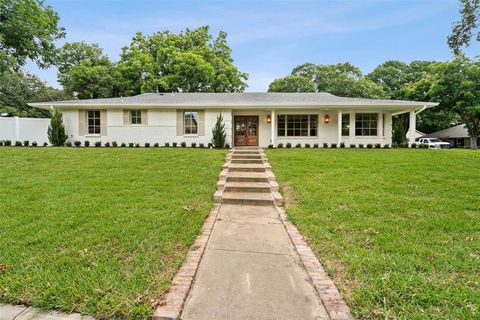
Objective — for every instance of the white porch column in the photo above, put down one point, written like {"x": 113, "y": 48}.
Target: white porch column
{"x": 412, "y": 127}
{"x": 272, "y": 127}
{"x": 339, "y": 128}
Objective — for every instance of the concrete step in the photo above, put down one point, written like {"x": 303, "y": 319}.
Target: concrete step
{"x": 246, "y": 160}
{"x": 248, "y": 198}
{"x": 248, "y": 167}
{"x": 247, "y": 177}
{"x": 247, "y": 187}
{"x": 246, "y": 156}
{"x": 245, "y": 151}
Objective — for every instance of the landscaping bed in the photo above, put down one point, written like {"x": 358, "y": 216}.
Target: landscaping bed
{"x": 398, "y": 230}
{"x": 99, "y": 230}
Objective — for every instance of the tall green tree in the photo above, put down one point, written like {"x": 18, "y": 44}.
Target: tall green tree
{"x": 219, "y": 137}
{"x": 292, "y": 83}
{"x": 190, "y": 61}
{"x": 56, "y": 130}
{"x": 28, "y": 30}
{"x": 464, "y": 29}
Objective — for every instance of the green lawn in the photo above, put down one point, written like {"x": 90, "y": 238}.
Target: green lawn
{"x": 99, "y": 231}
{"x": 398, "y": 230}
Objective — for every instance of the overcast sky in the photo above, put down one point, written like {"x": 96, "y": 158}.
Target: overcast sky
{"x": 269, "y": 38}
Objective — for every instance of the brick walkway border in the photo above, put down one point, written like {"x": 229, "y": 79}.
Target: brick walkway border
{"x": 171, "y": 307}
{"x": 333, "y": 302}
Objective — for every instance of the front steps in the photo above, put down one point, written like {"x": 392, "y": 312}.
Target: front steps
{"x": 247, "y": 179}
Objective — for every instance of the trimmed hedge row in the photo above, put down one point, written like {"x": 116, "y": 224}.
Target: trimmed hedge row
{"x": 112, "y": 144}
{"x": 361, "y": 146}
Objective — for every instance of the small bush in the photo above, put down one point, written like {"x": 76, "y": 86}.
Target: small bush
{"x": 123, "y": 145}
{"x": 361, "y": 146}
{"x": 18, "y": 143}
{"x": 183, "y": 144}
{"x": 193, "y": 145}
{"x": 307, "y": 145}
{"x": 298, "y": 145}
{"x": 45, "y": 144}
{"x": 423, "y": 146}
{"x": 34, "y": 144}
{"x": 227, "y": 145}
{"x": 395, "y": 145}
{"x": 107, "y": 144}
{"x": 270, "y": 146}
{"x": 369, "y": 146}
{"x": 86, "y": 143}
{"x": 334, "y": 145}
{"x": 342, "y": 145}
{"x": 156, "y": 145}
{"x": 167, "y": 144}
{"x": 280, "y": 145}
{"x": 26, "y": 143}
{"x": 8, "y": 143}
{"x": 353, "y": 146}
{"x": 325, "y": 145}
{"x": 288, "y": 145}
{"x": 68, "y": 144}
{"x": 137, "y": 145}
{"x": 131, "y": 145}
{"x": 174, "y": 144}
{"x": 386, "y": 146}
{"x": 1, "y": 143}
{"x": 378, "y": 146}
{"x": 147, "y": 145}
{"x": 201, "y": 145}
{"x": 77, "y": 143}
{"x": 210, "y": 145}
{"x": 98, "y": 144}
{"x": 413, "y": 145}
{"x": 403, "y": 145}
{"x": 315, "y": 145}
{"x": 114, "y": 144}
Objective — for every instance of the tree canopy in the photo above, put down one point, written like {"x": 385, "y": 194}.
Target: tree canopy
{"x": 292, "y": 83}
{"x": 464, "y": 29}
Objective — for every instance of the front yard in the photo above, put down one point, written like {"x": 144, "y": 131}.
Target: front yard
{"x": 398, "y": 230}
{"x": 99, "y": 231}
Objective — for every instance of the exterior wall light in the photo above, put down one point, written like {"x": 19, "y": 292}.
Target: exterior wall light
{"x": 326, "y": 118}
{"x": 269, "y": 119}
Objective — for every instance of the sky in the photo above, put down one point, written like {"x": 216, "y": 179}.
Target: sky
{"x": 269, "y": 38}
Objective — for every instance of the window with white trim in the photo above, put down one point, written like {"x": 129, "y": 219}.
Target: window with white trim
{"x": 297, "y": 125}
{"x": 366, "y": 124}
{"x": 135, "y": 117}
{"x": 345, "y": 124}
{"x": 93, "y": 121}
{"x": 190, "y": 122}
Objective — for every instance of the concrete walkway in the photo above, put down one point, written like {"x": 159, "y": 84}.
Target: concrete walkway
{"x": 250, "y": 269}
{"x": 19, "y": 312}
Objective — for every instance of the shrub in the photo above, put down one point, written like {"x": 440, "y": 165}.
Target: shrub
{"x": 68, "y": 144}
{"x": 280, "y": 145}
{"x": 34, "y": 144}
{"x": 353, "y": 146}
{"x": 26, "y": 143}
{"x": 361, "y": 146}
{"x": 1, "y": 143}
{"x": 413, "y": 145}
{"x": 183, "y": 144}
{"x": 334, "y": 145}
{"x": 218, "y": 133}
{"x": 315, "y": 145}
{"x": 378, "y": 146}
{"x": 114, "y": 144}
{"x": 174, "y": 144}
{"x": 123, "y": 145}
{"x": 8, "y": 143}
{"x": 298, "y": 145}
{"x": 369, "y": 146}
{"x": 423, "y": 146}
{"x": 131, "y": 145}
{"x": 270, "y": 146}
{"x": 193, "y": 145}
{"x": 137, "y": 145}
{"x": 147, "y": 145}
{"x": 77, "y": 143}
{"x": 403, "y": 145}
{"x": 307, "y": 145}
{"x": 107, "y": 144}
{"x": 201, "y": 145}
{"x": 156, "y": 145}
{"x": 18, "y": 143}
{"x": 227, "y": 145}
{"x": 210, "y": 145}
{"x": 56, "y": 130}
{"x": 98, "y": 144}
{"x": 45, "y": 144}
{"x": 342, "y": 145}
{"x": 288, "y": 145}
{"x": 395, "y": 145}
{"x": 386, "y": 146}
{"x": 86, "y": 143}
{"x": 167, "y": 144}
{"x": 325, "y": 145}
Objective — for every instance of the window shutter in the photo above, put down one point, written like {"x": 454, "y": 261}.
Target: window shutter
{"x": 103, "y": 122}
{"x": 201, "y": 122}
{"x": 82, "y": 123}
{"x": 126, "y": 117}
{"x": 144, "y": 117}
{"x": 179, "y": 122}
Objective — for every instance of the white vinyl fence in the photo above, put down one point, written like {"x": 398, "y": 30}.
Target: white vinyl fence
{"x": 21, "y": 129}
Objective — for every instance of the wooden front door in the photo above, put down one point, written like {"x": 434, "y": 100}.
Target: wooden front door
{"x": 246, "y": 131}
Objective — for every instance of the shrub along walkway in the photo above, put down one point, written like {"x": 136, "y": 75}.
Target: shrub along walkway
{"x": 250, "y": 269}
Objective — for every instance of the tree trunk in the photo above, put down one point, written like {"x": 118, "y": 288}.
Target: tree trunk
{"x": 473, "y": 142}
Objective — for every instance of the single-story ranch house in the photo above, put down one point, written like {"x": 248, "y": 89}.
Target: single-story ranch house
{"x": 457, "y": 136}
{"x": 251, "y": 119}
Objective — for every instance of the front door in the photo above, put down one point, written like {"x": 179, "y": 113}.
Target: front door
{"x": 246, "y": 131}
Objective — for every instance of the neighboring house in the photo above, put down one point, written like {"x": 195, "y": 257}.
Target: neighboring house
{"x": 250, "y": 118}
{"x": 457, "y": 136}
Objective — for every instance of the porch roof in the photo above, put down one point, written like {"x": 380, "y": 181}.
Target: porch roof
{"x": 246, "y": 100}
